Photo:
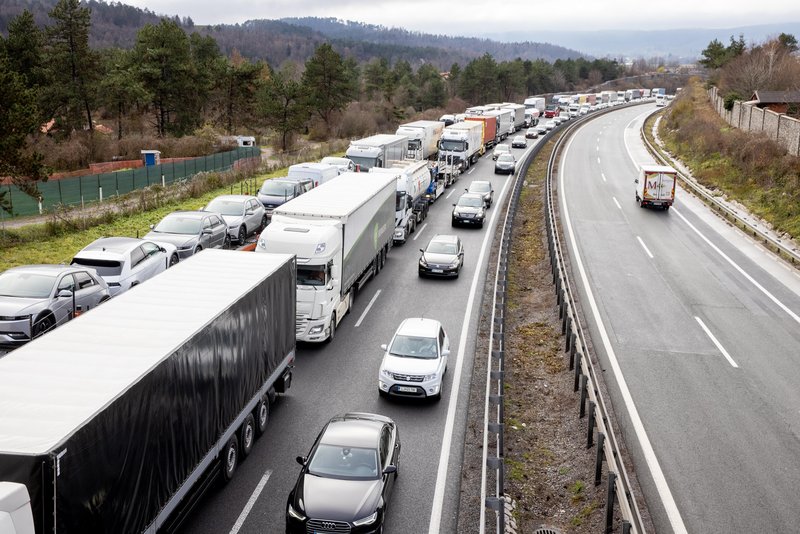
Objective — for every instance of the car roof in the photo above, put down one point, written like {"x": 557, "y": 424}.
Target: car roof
{"x": 501, "y": 145}
{"x": 471, "y": 195}
{"x": 119, "y": 245}
{"x": 419, "y": 326}
{"x": 45, "y": 269}
{"x": 353, "y": 430}
{"x": 474, "y": 182}
{"x": 197, "y": 214}
{"x": 234, "y": 197}
{"x": 444, "y": 238}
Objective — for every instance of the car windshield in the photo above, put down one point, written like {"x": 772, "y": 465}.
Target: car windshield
{"x": 478, "y": 187}
{"x": 26, "y": 285}
{"x": 502, "y": 148}
{"x": 470, "y": 202}
{"x": 311, "y": 275}
{"x": 276, "y": 189}
{"x": 226, "y": 207}
{"x": 103, "y": 267}
{"x": 439, "y": 247}
{"x": 414, "y": 347}
{"x": 506, "y": 158}
{"x": 349, "y": 463}
{"x": 179, "y": 225}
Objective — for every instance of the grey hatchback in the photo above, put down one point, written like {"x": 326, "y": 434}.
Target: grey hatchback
{"x": 191, "y": 231}
{"x": 36, "y": 298}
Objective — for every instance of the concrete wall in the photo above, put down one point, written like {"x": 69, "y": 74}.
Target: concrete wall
{"x": 782, "y": 129}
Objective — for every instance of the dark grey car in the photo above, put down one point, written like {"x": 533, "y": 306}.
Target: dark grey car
{"x": 482, "y": 187}
{"x": 191, "y": 231}
{"x": 36, "y": 298}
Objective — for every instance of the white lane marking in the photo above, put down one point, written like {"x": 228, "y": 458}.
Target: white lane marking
{"x": 250, "y": 503}
{"x": 419, "y": 232}
{"x": 471, "y": 170}
{"x": 597, "y": 148}
{"x": 603, "y": 176}
{"x": 450, "y": 193}
{"x": 717, "y": 343}
{"x": 598, "y": 160}
{"x": 452, "y": 401}
{"x": 616, "y": 202}
{"x": 659, "y": 479}
{"x": 733, "y": 264}
{"x": 644, "y": 247}
{"x": 366, "y": 310}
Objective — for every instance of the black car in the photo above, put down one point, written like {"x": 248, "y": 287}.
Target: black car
{"x": 444, "y": 256}
{"x": 470, "y": 209}
{"x": 347, "y": 479}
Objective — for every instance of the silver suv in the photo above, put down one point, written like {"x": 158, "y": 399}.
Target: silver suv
{"x": 191, "y": 231}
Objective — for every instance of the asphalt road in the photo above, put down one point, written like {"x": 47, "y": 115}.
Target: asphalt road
{"x": 698, "y": 331}
{"x": 341, "y": 377}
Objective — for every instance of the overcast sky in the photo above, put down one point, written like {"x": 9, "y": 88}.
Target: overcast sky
{"x": 472, "y": 17}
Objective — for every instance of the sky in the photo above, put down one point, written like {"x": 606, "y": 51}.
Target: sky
{"x": 476, "y": 17}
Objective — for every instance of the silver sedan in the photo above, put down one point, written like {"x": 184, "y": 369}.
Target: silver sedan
{"x": 243, "y": 214}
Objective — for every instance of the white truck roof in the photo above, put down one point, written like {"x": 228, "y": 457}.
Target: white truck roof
{"x": 52, "y": 386}
{"x": 339, "y": 197}
{"x": 378, "y": 140}
{"x": 658, "y": 168}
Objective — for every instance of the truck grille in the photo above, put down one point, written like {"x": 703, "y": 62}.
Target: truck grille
{"x": 407, "y": 378}
{"x": 323, "y": 525}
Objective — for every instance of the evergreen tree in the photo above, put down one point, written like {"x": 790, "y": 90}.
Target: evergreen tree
{"x": 284, "y": 105}
{"x": 326, "y": 80}
{"x": 120, "y": 88}
{"x": 24, "y": 48}
{"x": 240, "y": 84}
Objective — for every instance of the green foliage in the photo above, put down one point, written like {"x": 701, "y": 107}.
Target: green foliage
{"x": 788, "y": 41}
{"x": 328, "y": 84}
{"x": 238, "y": 87}
{"x": 24, "y": 48}
{"x": 283, "y": 102}
{"x": 730, "y": 99}
{"x": 120, "y": 88}
{"x": 716, "y": 55}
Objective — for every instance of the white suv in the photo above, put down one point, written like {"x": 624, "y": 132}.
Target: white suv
{"x": 415, "y": 361}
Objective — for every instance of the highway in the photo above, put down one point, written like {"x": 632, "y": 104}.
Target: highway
{"x": 341, "y": 377}
{"x": 698, "y": 331}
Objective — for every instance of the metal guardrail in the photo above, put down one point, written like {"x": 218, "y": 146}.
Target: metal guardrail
{"x": 586, "y": 381}
{"x": 790, "y": 254}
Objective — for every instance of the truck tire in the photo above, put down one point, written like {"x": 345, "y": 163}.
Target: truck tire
{"x": 248, "y": 435}
{"x": 229, "y": 459}
{"x": 262, "y": 416}
{"x": 332, "y": 329}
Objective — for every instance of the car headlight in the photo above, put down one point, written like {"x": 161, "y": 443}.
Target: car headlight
{"x": 454, "y": 263}
{"x": 386, "y": 373}
{"x": 262, "y": 242}
{"x": 232, "y": 227}
{"x": 434, "y": 376}
{"x": 15, "y": 317}
{"x": 422, "y": 262}
{"x": 294, "y": 513}
{"x": 367, "y": 520}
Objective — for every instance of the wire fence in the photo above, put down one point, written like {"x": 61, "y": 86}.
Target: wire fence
{"x": 96, "y": 187}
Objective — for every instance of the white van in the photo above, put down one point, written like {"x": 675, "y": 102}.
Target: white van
{"x": 319, "y": 172}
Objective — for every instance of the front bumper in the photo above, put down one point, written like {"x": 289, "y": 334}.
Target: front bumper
{"x": 438, "y": 270}
{"x": 310, "y": 330}
{"x": 14, "y": 333}
{"x": 417, "y": 390}
{"x": 464, "y": 219}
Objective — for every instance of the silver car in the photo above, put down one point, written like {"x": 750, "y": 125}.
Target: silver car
{"x": 34, "y": 299}
{"x": 125, "y": 262}
{"x": 275, "y": 192}
{"x": 191, "y": 231}
{"x": 243, "y": 214}
{"x": 500, "y": 149}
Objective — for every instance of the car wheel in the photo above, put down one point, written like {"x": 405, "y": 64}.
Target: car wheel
{"x": 242, "y": 234}
{"x": 197, "y": 249}
{"x": 452, "y": 223}
{"x": 229, "y": 459}
{"x": 44, "y": 325}
{"x": 227, "y": 242}
{"x": 382, "y": 393}
{"x": 248, "y": 435}
{"x": 263, "y": 224}
{"x": 480, "y": 225}
{"x": 173, "y": 260}
{"x": 262, "y": 415}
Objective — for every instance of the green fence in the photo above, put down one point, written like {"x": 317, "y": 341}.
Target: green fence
{"x": 74, "y": 191}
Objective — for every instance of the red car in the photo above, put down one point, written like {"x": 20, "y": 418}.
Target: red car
{"x": 551, "y": 111}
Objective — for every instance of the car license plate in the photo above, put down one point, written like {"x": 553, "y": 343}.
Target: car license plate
{"x": 406, "y": 389}
{"x": 657, "y": 203}
{"x": 437, "y": 271}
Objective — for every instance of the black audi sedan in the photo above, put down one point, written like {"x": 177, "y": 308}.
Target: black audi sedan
{"x": 347, "y": 478}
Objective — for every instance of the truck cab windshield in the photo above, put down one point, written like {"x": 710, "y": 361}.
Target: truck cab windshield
{"x": 311, "y": 275}
{"x": 454, "y": 146}
{"x": 400, "y": 202}
{"x": 364, "y": 164}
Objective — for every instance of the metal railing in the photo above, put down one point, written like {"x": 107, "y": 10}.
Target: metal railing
{"x": 580, "y": 363}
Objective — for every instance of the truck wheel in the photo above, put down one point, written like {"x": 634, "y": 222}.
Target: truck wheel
{"x": 248, "y": 435}
{"x": 332, "y": 330}
{"x": 262, "y": 416}
{"x": 229, "y": 459}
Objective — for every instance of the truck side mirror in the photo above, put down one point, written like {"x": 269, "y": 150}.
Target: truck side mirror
{"x": 636, "y": 181}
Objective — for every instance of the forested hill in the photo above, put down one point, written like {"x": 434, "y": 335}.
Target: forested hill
{"x": 467, "y": 47}
{"x": 276, "y": 41}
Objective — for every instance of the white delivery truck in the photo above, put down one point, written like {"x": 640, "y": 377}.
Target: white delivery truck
{"x": 115, "y": 420}
{"x": 340, "y": 233}
{"x": 505, "y": 122}
{"x": 537, "y": 102}
{"x": 319, "y": 172}
{"x": 411, "y": 206}
{"x": 460, "y": 146}
{"x": 517, "y": 115}
{"x": 377, "y": 151}
{"x": 423, "y": 138}
{"x": 656, "y": 186}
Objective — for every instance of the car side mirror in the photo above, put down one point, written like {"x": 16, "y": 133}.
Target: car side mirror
{"x": 64, "y": 294}
{"x": 384, "y": 347}
{"x": 162, "y": 249}
{"x": 207, "y": 231}
{"x": 453, "y": 204}
{"x": 445, "y": 352}
{"x": 422, "y": 250}
{"x": 301, "y": 460}
{"x": 390, "y": 469}
{"x": 249, "y": 212}
{"x": 152, "y": 226}
{"x": 467, "y": 190}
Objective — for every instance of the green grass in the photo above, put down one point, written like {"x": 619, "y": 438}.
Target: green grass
{"x": 515, "y": 470}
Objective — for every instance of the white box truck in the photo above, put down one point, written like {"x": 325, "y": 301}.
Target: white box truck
{"x": 115, "y": 420}
{"x": 423, "y": 138}
{"x": 411, "y": 206}
{"x": 377, "y": 151}
{"x": 340, "y": 233}
{"x": 505, "y": 122}
{"x": 319, "y": 172}
{"x": 655, "y": 186}
{"x": 460, "y": 146}
{"x": 517, "y": 115}
{"x": 537, "y": 102}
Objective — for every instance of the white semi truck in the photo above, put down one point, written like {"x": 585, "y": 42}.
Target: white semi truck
{"x": 377, "y": 151}
{"x": 656, "y": 186}
{"x": 537, "y": 102}
{"x": 460, "y": 146}
{"x": 411, "y": 205}
{"x": 505, "y": 122}
{"x": 340, "y": 233}
{"x": 116, "y": 420}
{"x": 517, "y": 114}
{"x": 423, "y": 138}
